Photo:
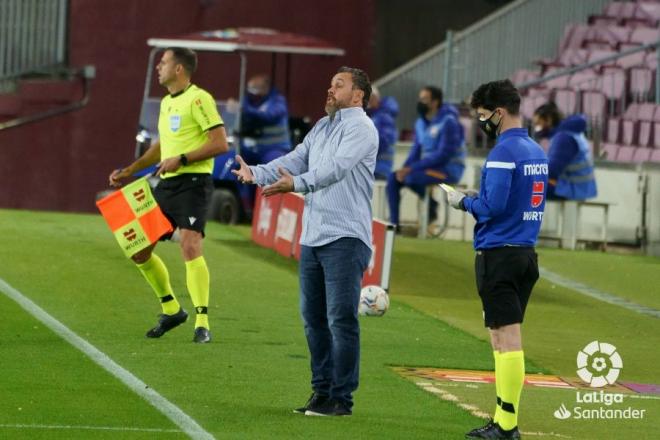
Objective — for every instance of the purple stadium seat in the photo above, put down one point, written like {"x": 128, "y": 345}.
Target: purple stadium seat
{"x": 634, "y": 59}
{"x": 613, "y": 82}
{"x": 655, "y": 156}
{"x": 629, "y": 131}
{"x": 644, "y": 138}
{"x": 644, "y": 35}
{"x": 593, "y": 105}
{"x": 651, "y": 60}
{"x": 620, "y": 9}
{"x": 648, "y": 11}
{"x": 609, "y": 151}
{"x": 656, "y": 135}
{"x": 641, "y": 79}
{"x": 566, "y": 100}
{"x": 631, "y": 111}
{"x": 532, "y": 102}
{"x": 574, "y": 36}
{"x": 521, "y": 76}
{"x": 601, "y": 20}
{"x": 573, "y": 57}
{"x": 587, "y": 79}
{"x": 613, "y": 130}
{"x": 656, "y": 115}
{"x": 556, "y": 83}
{"x": 641, "y": 155}
{"x": 626, "y": 153}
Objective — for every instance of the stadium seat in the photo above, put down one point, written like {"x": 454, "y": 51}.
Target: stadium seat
{"x": 613, "y": 130}
{"x": 641, "y": 154}
{"x": 593, "y": 105}
{"x": 613, "y": 82}
{"x": 567, "y": 100}
{"x": 649, "y": 11}
{"x": 656, "y": 135}
{"x": 628, "y": 131}
{"x": 587, "y": 79}
{"x": 641, "y": 79}
{"x": 644, "y": 35}
{"x": 626, "y": 153}
{"x": 609, "y": 151}
{"x": 655, "y": 156}
{"x": 633, "y": 59}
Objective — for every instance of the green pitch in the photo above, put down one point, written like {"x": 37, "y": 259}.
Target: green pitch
{"x": 245, "y": 383}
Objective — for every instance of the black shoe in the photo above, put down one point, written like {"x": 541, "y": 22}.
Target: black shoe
{"x": 331, "y": 407}
{"x": 167, "y": 323}
{"x": 315, "y": 400}
{"x": 493, "y": 431}
{"x": 202, "y": 335}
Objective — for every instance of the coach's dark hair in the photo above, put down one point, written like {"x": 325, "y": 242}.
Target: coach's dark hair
{"x": 550, "y": 111}
{"x": 497, "y": 94}
{"x": 186, "y": 57}
{"x": 360, "y": 81}
{"x": 436, "y": 94}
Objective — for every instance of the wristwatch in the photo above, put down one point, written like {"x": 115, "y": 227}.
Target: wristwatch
{"x": 184, "y": 160}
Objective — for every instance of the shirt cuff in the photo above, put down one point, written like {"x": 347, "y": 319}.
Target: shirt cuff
{"x": 467, "y": 203}
{"x": 256, "y": 174}
{"x": 299, "y": 185}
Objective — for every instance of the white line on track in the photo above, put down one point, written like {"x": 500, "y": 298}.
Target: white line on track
{"x": 598, "y": 294}
{"x": 89, "y": 428}
{"x": 171, "y": 411}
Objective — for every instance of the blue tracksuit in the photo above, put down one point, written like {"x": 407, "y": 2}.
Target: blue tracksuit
{"x": 384, "y": 119}
{"x": 571, "y": 167}
{"x": 510, "y": 204}
{"x": 438, "y": 155}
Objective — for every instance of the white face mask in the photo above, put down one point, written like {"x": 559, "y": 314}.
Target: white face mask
{"x": 538, "y": 128}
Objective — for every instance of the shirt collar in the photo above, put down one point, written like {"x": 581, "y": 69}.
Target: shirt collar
{"x": 349, "y": 112}
{"x": 513, "y": 132}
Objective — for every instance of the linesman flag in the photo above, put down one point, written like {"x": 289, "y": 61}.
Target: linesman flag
{"x": 134, "y": 216}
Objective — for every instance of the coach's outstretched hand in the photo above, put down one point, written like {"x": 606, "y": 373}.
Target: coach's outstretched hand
{"x": 283, "y": 185}
{"x": 243, "y": 174}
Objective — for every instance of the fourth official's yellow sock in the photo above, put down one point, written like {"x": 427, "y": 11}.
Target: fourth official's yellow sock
{"x": 512, "y": 375}
{"x": 197, "y": 279}
{"x": 498, "y": 393}
{"x": 156, "y": 274}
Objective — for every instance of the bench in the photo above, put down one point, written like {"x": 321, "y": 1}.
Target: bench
{"x": 568, "y": 223}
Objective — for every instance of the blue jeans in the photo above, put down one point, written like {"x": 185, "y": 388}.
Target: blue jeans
{"x": 330, "y": 278}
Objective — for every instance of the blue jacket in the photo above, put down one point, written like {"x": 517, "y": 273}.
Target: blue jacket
{"x": 383, "y": 118}
{"x": 510, "y": 204}
{"x": 265, "y": 125}
{"x": 570, "y": 161}
{"x": 439, "y": 144}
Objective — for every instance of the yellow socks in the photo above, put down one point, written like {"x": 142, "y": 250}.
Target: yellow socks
{"x": 510, "y": 371}
{"x": 498, "y": 409}
{"x": 197, "y": 279}
{"x": 156, "y": 274}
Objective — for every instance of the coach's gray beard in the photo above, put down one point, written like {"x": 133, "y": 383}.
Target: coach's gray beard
{"x": 331, "y": 111}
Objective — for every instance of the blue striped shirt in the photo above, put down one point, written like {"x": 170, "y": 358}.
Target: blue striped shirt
{"x": 334, "y": 168}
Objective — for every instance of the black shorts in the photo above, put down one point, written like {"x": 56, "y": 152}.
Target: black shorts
{"x": 505, "y": 278}
{"x": 184, "y": 200}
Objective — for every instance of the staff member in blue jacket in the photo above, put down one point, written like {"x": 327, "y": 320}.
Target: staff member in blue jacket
{"x": 383, "y": 112}
{"x": 265, "y": 132}
{"x": 437, "y": 155}
{"x": 508, "y": 211}
{"x": 571, "y": 166}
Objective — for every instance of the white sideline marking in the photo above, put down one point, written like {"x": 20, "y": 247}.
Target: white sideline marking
{"x": 89, "y": 428}
{"x": 598, "y": 294}
{"x": 171, "y": 411}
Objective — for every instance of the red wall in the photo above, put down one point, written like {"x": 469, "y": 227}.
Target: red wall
{"x": 62, "y": 162}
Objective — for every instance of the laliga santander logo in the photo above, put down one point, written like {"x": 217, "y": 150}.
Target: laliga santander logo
{"x": 599, "y": 364}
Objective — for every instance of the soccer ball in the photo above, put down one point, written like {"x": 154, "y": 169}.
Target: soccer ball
{"x": 374, "y": 301}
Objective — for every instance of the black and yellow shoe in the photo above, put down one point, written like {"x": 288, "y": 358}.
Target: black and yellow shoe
{"x": 167, "y": 323}
{"x": 202, "y": 335}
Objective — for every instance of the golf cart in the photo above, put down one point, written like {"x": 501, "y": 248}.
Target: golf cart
{"x": 226, "y": 204}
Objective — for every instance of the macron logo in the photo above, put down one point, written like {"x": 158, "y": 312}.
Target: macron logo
{"x": 192, "y": 220}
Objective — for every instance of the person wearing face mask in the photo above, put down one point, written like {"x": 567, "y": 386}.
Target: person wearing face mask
{"x": 383, "y": 112}
{"x": 508, "y": 210}
{"x": 264, "y": 134}
{"x": 570, "y": 164}
{"x": 437, "y": 155}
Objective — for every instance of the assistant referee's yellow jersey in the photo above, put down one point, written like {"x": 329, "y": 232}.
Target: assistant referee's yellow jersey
{"x": 183, "y": 122}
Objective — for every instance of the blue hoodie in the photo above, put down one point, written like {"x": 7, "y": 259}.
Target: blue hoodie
{"x": 384, "y": 119}
{"x": 270, "y": 119}
{"x": 570, "y": 164}
{"x": 439, "y": 144}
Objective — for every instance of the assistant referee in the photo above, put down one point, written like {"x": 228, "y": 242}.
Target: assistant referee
{"x": 508, "y": 210}
{"x": 191, "y": 134}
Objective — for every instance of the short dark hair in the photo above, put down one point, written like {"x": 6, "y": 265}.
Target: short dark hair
{"x": 550, "y": 111}
{"x": 186, "y": 57}
{"x": 495, "y": 94}
{"x": 360, "y": 81}
{"x": 436, "y": 93}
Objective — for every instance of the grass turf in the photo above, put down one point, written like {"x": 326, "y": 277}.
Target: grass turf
{"x": 246, "y": 382}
